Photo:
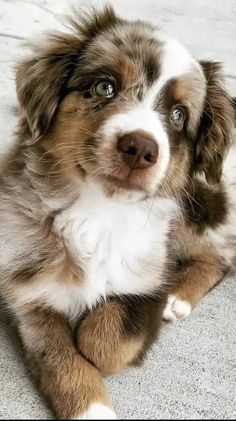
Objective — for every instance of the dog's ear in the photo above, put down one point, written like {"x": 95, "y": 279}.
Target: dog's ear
{"x": 41, "y": 81}
{"x": 215, "y": 129}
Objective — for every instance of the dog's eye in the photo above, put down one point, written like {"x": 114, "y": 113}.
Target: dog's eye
{"x": 178, "y": 117}
{"x": 103, "y": 89}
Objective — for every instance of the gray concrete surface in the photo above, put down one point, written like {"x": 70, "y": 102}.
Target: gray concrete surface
{"x": 190, "y": 373}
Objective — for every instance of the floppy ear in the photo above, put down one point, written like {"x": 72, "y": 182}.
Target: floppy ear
{"x": 215, "y": 129}
{"x": 41, "y": 81}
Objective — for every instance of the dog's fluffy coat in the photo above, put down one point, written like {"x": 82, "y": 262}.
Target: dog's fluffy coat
{"x": 85, "y": 241}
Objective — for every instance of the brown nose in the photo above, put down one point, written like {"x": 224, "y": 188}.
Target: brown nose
{"x": 137, "y": 150}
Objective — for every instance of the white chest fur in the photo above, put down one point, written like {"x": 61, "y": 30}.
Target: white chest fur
{"x": 121, "y": 247}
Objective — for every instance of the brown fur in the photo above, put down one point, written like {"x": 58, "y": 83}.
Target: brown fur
{"x": 102, "y": 340}
{"x": 119, "y": 332}
{"x": 197, "y": 276}
{"x": 206, "y": 207}
{"x": 215, "y": 131}
{"x": 64, "y": 376}
{"x": 200, "y": 267}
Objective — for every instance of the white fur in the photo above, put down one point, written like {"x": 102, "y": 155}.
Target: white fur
{"x": 97, "y": 411}
{"x": 176, "y": 309}
{"x": 140, "y": 117}
{"x": 176, "y": 61}
{"x": 120, "y": 246}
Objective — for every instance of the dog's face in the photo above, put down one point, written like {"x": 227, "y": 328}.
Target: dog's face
{"x": 118, "y": 103}
{"x": 135, "y": 101}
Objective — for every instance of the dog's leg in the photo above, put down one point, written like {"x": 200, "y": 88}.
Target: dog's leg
{"x": 102, "y": 340}
{"x": 119, "y": 332}
{"x": 73, "y": 386}
{"x": 196, "y": 277}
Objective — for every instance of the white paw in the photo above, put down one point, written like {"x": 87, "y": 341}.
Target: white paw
{"x": 97, "y": 411}
{"x": 176, "y": 309}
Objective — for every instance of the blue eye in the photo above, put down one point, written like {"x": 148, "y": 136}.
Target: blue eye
{"x": 177, "y": 116}
{"x": 104, "y": 89}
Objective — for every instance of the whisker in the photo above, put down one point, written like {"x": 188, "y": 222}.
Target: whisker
{"x": 77, "y": 149}
{"x": 186, "y": 193}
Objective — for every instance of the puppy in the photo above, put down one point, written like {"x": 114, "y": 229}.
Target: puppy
{"x": 115, "y": 178}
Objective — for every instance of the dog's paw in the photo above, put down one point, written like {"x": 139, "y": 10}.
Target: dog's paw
{"x": 176, "y": 309}
{"x": 97, "y": 411}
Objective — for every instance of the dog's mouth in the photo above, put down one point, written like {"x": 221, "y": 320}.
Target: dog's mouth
{"x": 117, "y": 177}
{"x": 132, "y": 166}
{"x": 128, "y": 183}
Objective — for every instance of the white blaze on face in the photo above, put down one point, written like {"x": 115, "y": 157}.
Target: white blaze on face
{"x": 176, "y": 61}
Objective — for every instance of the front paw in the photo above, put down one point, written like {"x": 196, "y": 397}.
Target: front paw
{"x": 97, "y": 411}
{"x": 176, "y": 309}
{"x": 101, "y": 341}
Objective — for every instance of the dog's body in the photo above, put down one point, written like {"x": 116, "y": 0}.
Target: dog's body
{"x": 112, "y": 198}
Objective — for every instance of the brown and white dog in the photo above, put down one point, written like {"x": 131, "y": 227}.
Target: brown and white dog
{"x": 112, "y": 197}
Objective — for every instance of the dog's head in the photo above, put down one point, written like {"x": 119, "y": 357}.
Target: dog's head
{"x": 117, "y": 102}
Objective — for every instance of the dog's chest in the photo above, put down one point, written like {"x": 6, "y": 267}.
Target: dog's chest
{"x": 120, "y": 247}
